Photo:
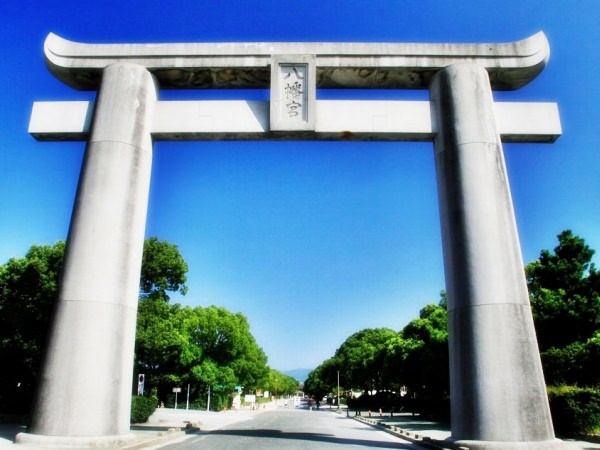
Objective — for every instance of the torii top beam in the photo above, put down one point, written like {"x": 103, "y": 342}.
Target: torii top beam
{"x": 338, "y": 65}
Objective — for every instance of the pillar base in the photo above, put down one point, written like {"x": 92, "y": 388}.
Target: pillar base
{"x": 553, "y": 444}
{"x": 79, "y": 442}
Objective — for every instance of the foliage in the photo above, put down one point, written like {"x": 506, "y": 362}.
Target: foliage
{"x": 382, "y": 364}
{"x": 163, "y": 269}
{"x": 425, "y": 351}
{"x": 175, "y": 345}
{"x": 418, "y": 359}
{"x": 28, "y": 289}
{"x": 200, "y": 347}
{"x": 577, "y": 363}
{"x": 360, "y": 358}
{"x": 575, "y": 410}
{"x": 320, "y": 381}
{"x": 142, "y": 408}
{"x": 564, "y": 288}
{"x": 279, "y": 384}
{"x": 359, "y": 361}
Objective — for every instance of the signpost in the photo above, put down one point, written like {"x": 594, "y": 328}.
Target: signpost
{"x": 208, "y": 401}
{"x": 176, "y": 390}
{"x": 141, "y": 379}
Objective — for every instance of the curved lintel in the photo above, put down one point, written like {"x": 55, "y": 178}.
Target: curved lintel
{"x": 339, "y": 65}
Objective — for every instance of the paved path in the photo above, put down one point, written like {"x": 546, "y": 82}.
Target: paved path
{"x": 293, "y": 429}
{"x": 418, "y": 429}
{"x": 167, "y": 426}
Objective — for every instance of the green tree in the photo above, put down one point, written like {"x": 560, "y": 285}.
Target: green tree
{"x": 225, "y": 338}
{"x": 203, "y": 347}
{"x": 160, "y": 338}
{"x": 322, "y": 380}
{"x": 564, "y": 288}
{"x": 389, "y": 362}
{"x": 426, "y": 356}
{"x": 28, "y": 289}
{"x": 577, "y": 364}
{"x": 163, "y": 269}
{"x": 360, "y": 358}
{"x": 279, "y": 384}
{"x": 420, "y": 359}
{"x": 160, "y": 344}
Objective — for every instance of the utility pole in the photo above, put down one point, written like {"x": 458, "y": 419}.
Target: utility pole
{"x": 338, "y": 402}
{"x": 208, "y": 402}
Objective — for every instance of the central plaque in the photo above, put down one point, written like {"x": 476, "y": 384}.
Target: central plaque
{"x": 293, "y": 93}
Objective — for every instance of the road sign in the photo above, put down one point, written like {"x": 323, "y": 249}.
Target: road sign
{"x": 141, "y": 380}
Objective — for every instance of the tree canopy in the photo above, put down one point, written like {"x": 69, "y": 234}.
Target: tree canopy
{"x": 28, "y": 289}
{"x": 175, "y": 345}
{"x": 163, "y": 269}
{"x": 383, "y": 364}
{"x": 278, "y": 383}
{"x": 420, "y": 353}
{"x": 203, "y": 347}
{"x": 564, "y": 288}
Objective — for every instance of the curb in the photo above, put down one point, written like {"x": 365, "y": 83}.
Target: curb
{"x": 411, "y": 436}
{"x": 160, "y": 437}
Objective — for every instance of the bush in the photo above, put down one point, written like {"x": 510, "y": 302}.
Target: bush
{"x": 575, "y": 410}
{"x": 142, "y": 408}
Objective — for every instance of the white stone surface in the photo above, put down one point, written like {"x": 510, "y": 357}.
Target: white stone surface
{"x": 524, "y": 121}
{"x": 401, "y": 120}
{"x": 335, "y": 119}
{"x": 232, "y": 64}
{"x": 293, "y": 93}
{"x": 71, "y": 119}
{"x": 497, "y": 386}
{"x": 85, "y": 386}
{"x": 189, "y": 119}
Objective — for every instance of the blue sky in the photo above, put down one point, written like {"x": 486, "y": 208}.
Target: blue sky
{"x": 311, "y": 241}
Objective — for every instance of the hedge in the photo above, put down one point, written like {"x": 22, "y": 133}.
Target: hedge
{"x": 575, "y": 411}
{"x": 142, "y": 408}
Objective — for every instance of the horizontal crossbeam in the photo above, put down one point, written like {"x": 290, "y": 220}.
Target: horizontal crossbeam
{"x": 335, "y": 120}
{"x": 366, "y": 65}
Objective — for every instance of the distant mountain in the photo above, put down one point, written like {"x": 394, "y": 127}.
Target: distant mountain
{"x": 299, "y": 374}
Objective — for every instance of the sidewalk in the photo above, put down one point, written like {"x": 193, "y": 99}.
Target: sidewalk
{"x": 164, "y": 425}
{"x": 145, "y": 436}
{"x": 171, "y": 424}
{"x": 434, "y": 434}
{"x": 409, "y": 425}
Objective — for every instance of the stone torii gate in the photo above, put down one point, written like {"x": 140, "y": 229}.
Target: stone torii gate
{"x": 498, "y": 392}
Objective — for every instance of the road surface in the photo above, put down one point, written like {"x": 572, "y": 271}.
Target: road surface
{"x": 292, "y": 429}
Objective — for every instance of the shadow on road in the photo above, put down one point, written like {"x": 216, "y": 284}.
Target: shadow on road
{"x": 311, "y": 437}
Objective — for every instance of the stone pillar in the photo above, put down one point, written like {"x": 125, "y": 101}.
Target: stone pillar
{"x": 497, "y": 390}
{"x": 85, "y": 389}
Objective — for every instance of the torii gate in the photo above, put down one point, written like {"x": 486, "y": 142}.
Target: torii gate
{"x": 498, "y": 392}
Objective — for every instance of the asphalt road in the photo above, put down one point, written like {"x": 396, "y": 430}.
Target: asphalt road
{"x": 293, "y": 429}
